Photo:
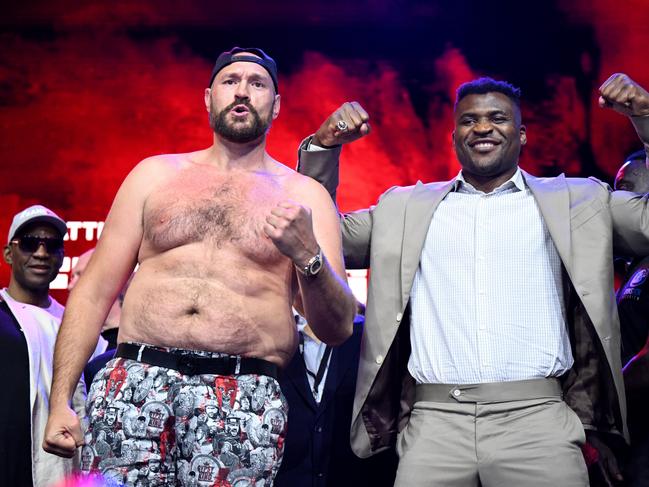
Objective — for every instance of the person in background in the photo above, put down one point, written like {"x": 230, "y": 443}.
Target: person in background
{"x": 319, "y": 385}
{"x": 29, "y": 322}
{"x": 633, "y": 308}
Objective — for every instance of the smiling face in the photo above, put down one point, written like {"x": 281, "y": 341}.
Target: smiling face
{"x": 33, "y": 271}
{"x": 242, "y": 102}
{"x": 488, "y": 135}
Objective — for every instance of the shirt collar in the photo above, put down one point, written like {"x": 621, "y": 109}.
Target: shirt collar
{"x": 516, "y": 181}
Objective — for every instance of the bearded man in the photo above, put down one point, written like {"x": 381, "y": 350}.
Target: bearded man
{"x": 226, "y": 238}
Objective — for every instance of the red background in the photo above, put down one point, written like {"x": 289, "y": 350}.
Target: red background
{"x": 89, "y": 89}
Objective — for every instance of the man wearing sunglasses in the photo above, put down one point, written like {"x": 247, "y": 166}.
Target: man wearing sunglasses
{"x": 29, "y": 323}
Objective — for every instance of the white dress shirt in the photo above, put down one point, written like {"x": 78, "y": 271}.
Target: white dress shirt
{"x": 313, "y": 352}
{"x": 487, "y": 301}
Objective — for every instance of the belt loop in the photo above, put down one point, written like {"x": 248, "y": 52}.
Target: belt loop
{"x": 139, "y": 353}
{"x": 237, "y": 368}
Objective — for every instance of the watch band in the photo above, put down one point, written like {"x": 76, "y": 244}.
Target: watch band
{"x": 313, "y": 266}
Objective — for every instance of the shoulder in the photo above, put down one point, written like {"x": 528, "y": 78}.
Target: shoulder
{"x": 405, "y": 192}
{"x": 56, "y": 309}
{"x": 588, "y": 184}
{"x": 159, "y": 165}
{"x": 151, "y": 172}
{"x": 581, "y": 188}
{"x": 304, "y": 188}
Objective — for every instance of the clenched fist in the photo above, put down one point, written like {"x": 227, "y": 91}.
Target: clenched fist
{"x": 290, "y": 227}
{"x": 624, "y": 95}
{"x": 63, "y": 433}
{"x": 350, "y": 122}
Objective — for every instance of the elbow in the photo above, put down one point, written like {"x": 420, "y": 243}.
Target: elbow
{"x": 345, "y": 326}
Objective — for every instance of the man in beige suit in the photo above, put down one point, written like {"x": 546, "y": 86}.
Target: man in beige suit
{"x": 492, "y": 337}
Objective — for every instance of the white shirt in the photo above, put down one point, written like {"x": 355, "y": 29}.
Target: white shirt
{"x": 487, "y": 300}
{"x": 312, "y": 353}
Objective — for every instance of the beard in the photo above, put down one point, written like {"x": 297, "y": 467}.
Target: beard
{"x": 238, "y": 132}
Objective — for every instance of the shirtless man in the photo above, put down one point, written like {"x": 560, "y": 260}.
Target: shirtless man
{"x": 218, "y": 235}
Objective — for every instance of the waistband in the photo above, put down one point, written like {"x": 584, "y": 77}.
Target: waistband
{"x": 490, "y": 392}
{"x": 195, "y": 365}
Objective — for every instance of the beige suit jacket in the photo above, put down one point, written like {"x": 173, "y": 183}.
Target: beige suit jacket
{"x": 585, "y": 220}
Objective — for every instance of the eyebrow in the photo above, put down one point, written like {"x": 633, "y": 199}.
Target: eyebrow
{"x": 253, "y": 76}
{"x": 490, "y": 113}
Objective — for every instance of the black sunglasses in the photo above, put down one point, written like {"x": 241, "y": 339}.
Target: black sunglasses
{"x": 30, "y": 243}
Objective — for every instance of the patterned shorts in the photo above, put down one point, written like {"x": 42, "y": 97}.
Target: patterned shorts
{"x": 153, "y": 426}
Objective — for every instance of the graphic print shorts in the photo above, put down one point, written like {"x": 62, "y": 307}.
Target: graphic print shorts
{"x": 154, "y": 426}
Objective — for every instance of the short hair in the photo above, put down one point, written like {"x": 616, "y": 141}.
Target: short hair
{"x": 634, "y": 156}
{"x": 482, "y": 86}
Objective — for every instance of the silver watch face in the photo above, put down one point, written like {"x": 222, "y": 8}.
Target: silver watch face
{"x": 315, "y": 267}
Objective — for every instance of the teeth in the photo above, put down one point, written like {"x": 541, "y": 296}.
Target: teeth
{"x": 484, "y": 145}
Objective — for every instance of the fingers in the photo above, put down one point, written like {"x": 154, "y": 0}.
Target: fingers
{"x": 285, "y": 213}
{"x": 612, "y": 468}
{"x": 62, "y": 433}
{"x": 354, "y": 116}
{"x": 290, "y": 228}
{"x": 348, "y": 123}
{"x": 62, "y": 444}
{"x": 624, "y": 95}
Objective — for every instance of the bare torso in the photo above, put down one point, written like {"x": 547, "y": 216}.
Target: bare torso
{"x": 209, "y": 277}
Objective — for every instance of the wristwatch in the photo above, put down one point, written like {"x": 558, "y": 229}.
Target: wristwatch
{"x": 313, "y": 266}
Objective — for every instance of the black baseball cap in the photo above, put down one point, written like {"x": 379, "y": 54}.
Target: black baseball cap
{"x": 234, "y": 56}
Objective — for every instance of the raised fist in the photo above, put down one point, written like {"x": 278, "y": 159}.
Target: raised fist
{"x": 347, "y": 124}
{"x": 624, "y": 95}
{"x": 290, "y": 227}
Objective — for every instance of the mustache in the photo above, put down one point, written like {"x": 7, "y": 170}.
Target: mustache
{"x": 243, "y": 102}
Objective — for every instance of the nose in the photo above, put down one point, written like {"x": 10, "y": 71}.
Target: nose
{"x": 41, "y": 252}
{"x": 242, "y": 91}
{"x": 483, "y": 126}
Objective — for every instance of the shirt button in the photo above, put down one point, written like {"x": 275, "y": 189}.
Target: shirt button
{"x": 320, "y": 475}
{"x": 319, "y": 429}
{"x": 457, "y": 392}
{"x": 399, "y": 316}
{"x": 379, "y": 359}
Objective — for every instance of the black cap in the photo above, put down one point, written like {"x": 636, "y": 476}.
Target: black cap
{"x": 228, "y": 57}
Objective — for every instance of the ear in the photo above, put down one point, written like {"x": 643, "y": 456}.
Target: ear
{"x": 523, "y": 135}
{"x": 276, "y": 105}
{"x": 207, "y": 96}
{"x": 7, "y": 255}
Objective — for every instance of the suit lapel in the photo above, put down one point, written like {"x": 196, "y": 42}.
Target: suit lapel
{"x": 296, "y": 373}
{"x": 419, "y": 212}
{"x": 552, "y": 196}
{"x": 342, "y": 359}
{"x": 334, "y": 372}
